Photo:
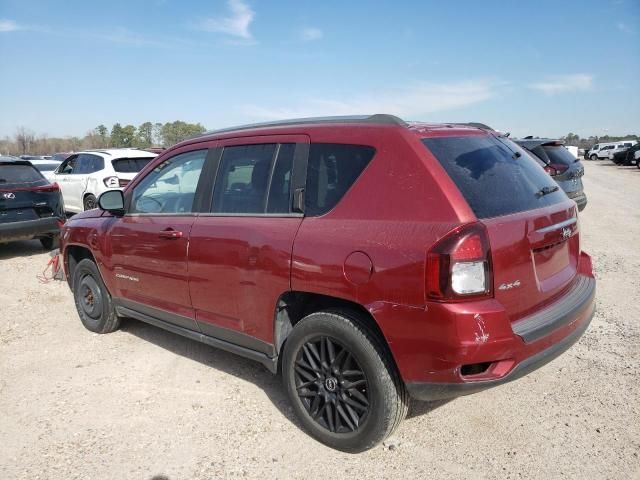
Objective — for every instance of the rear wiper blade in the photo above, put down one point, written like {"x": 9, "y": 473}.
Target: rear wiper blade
{"x": 546, "y": 191}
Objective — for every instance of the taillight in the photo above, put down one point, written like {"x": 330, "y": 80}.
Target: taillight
{"x": 52, "y": 187}
{"x": 459, "y": 265}
{"x": 123, "y": 183}
{"x": 111, "y": 182}
{"x": 554, "y": 169}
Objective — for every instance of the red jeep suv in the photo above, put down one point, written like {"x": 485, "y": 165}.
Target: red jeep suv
{"x": 366, "y": 259}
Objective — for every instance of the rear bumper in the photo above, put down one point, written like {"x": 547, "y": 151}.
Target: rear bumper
{"x": 453, "y": 349}
{"x": 27, "y": 229}
{"x": 581, "y": 200}
{"x": 440, "y": 391}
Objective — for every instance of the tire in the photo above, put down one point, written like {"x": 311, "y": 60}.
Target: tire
{"x": 51, "y": 242}
{"x": 90, "y": 202}
{"x": 593, "y": 157}
{"x": 354, "y": 418}
{"x": 92, "y": 299}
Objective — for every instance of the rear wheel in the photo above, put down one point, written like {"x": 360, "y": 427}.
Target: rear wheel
{"x": 341, "y": 382}
{"x": 50, "y": 242}
{"x": 92, "y": 299}
{"x": 90, "y": 202}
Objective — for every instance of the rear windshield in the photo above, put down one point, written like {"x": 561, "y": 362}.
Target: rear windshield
{"x": 20, "y": 176}
{"x": 495, "y": 176}
{"x": 47, "y": 167}
{"x": 130, "y": 165}
{"x": 555, "y": 154}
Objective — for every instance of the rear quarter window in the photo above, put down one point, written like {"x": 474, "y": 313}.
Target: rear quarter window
{"x": 495, "y": 176}
{"x": 20, "y": 176}
{"x": 331, "y": 171}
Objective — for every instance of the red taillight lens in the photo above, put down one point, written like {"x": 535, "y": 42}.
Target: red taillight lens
{"x": 459, "y": 266}
{"x": 123, "y": 182}
{"x": 554, "y": 169}
{"x": 54, "y": 187}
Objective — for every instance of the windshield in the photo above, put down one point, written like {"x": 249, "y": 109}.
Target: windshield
{"x": 495, "y": 175}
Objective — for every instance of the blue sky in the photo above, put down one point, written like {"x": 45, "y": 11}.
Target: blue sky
{"x": 542, "y": 68}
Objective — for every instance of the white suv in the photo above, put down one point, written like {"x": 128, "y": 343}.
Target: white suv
{"x": 85, "y": 175}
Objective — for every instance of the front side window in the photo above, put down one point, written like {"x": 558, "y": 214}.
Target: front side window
{"x": 171, "y": 186}
{"x": 331, "y": 171}
{"x": 68, "y": 166}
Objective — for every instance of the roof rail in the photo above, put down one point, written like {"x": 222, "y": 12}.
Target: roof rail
{"x": 476, "y": 125}
{"x": 379, "y": 118}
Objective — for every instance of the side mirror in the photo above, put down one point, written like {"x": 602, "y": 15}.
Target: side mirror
{"x": 112, "y": 201}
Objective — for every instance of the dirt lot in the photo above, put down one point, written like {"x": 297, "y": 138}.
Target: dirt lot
{"x": 142, "y": 403}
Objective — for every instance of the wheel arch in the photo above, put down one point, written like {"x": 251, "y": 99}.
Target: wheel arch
{"x": 293, "y": 306}
{"x": 73, "y": 254}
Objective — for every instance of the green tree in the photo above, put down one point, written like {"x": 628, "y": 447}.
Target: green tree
{"x": 174, "y": 132}
{"x": 128, "y": 136}
{"x": 145, "y": 135}
{"x": 117, "y": 136}
{"x": 103, "y": 134}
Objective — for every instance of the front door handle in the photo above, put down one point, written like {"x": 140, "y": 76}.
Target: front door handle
{"x": 170, "y": 234}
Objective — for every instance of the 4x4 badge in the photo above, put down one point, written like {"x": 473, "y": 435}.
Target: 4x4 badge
{"x": 509, "y": 286}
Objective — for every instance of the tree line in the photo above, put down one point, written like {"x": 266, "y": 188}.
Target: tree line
{"x": 146, "y": 135}
{"x": 586, "y": 143}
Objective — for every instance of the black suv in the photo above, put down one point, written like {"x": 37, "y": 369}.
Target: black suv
{"x": 558, "y": 162}
{"x": 30, "y": 206}
{"x": 626, "y": 157}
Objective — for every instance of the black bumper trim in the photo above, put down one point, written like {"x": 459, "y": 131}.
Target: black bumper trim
{"x": 559, "y": 314}
{"x": 28, "y": 229}
{"x": 441, "y": 391}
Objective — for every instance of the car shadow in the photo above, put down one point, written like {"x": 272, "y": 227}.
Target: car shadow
{"x": 24, "y": 248}
{"x": 239, "y": 367}
{"x": 212, "y": 357}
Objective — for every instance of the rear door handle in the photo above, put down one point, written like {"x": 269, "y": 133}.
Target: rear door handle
{"x": 170, "y": 234}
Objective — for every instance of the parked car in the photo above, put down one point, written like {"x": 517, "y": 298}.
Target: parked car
{"x": 366, "y": 259}
{"x": 627, "y": 156}
{"x": 558, "y": 162}
{"x": 46, "y": 167}
{"x": 605, "y": 150}
{"x": 30, "y": 206}
{"x": 83, "y": 176}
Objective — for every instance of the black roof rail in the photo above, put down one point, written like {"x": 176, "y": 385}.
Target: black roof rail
{"x": 379, "y": 119}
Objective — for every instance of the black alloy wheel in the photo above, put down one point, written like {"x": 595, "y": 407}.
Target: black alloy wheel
{"x": 331, "y": 385}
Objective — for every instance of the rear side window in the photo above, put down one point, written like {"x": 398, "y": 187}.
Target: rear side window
{"x": 88, "y": 164}
{"x": 130, "y": 165}
{"x": 20, "y": 176}
{"x": 495, "y": 176}
{"x": 243, "y": 179}
{"x": 331, "y": 170}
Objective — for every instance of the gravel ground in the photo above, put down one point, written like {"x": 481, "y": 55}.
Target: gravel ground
{"x": 142, "y": 403}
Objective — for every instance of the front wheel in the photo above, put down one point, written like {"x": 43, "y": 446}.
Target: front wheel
{"x": 90, "y": 202}
{"x": 92, "y": 299}
{"x": 594, "y": 157}
{"x": 341, "y": 382}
